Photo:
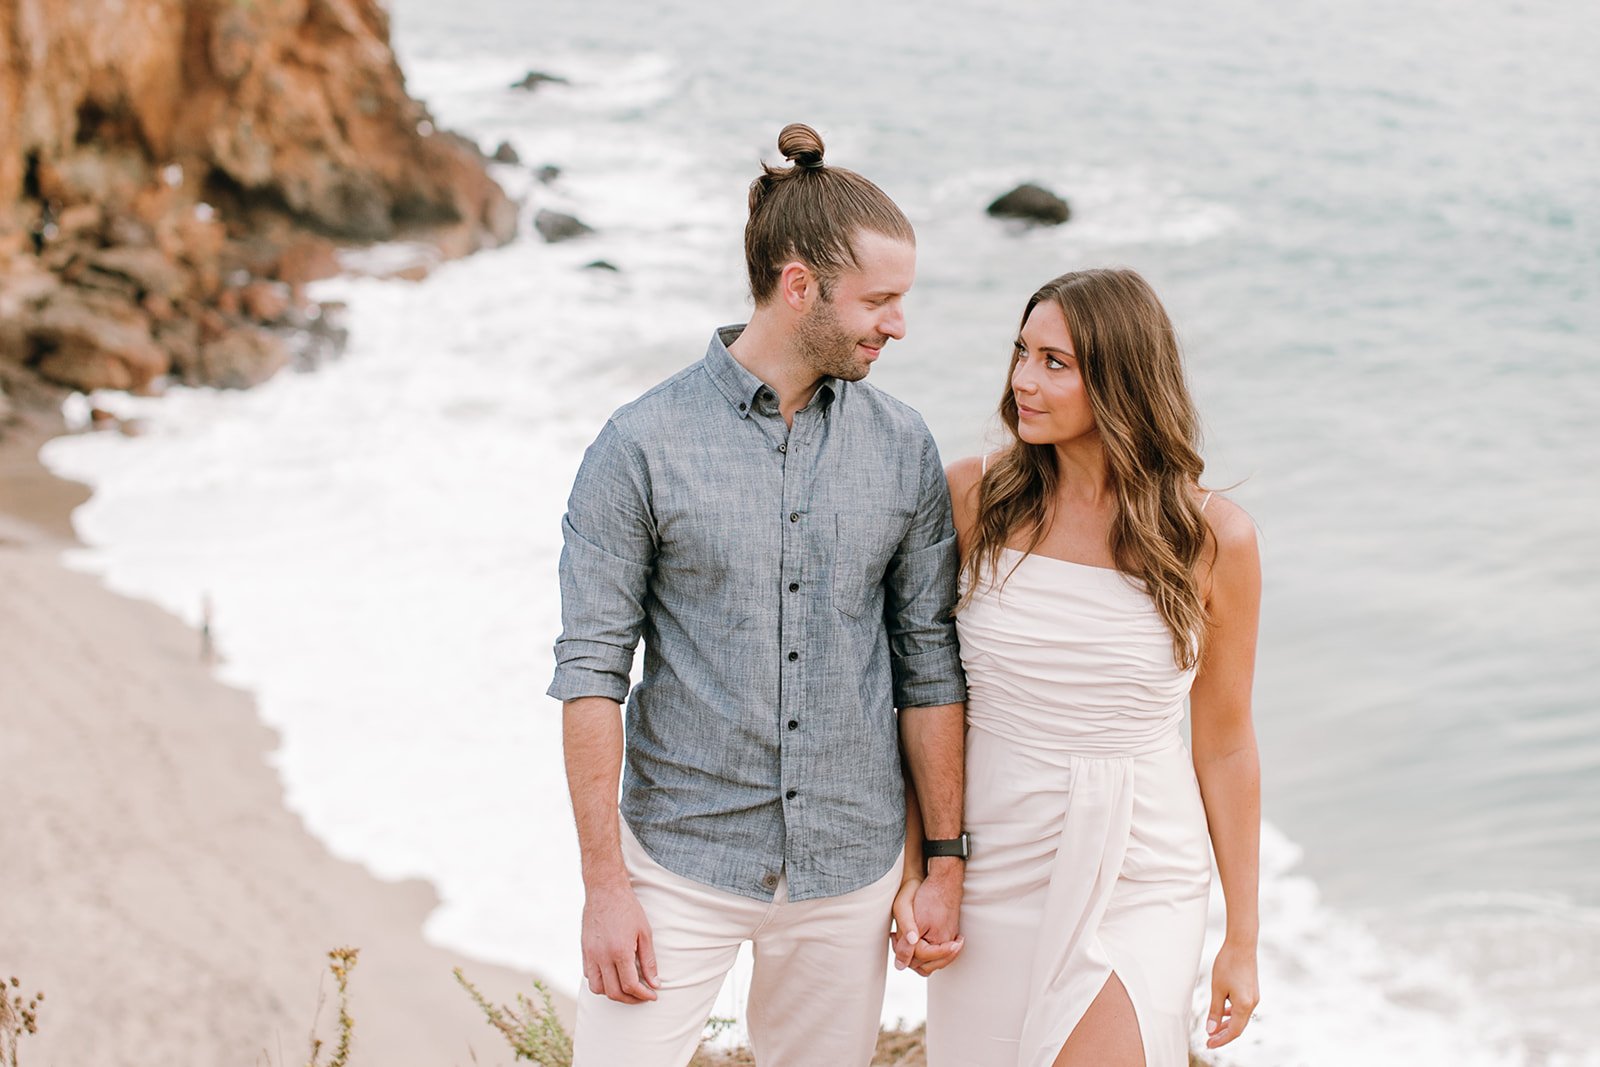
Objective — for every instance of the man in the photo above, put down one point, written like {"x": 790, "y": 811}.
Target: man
{"x": 780, "y": 536}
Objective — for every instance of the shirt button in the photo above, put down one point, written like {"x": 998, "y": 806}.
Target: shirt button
{"x": 791, "y": 794}
{"x": 743, "y": 407}
{"x": 769, "y": 881}
{"x": 794, "y": 587}
{"x": 793, "y": 656}
{"x": 794, "y": 724}
{"x": 794, "y": 516}
{"x": 783, "y": 448}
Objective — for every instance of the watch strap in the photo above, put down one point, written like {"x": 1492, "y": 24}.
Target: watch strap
{"x": 959, "y": 847}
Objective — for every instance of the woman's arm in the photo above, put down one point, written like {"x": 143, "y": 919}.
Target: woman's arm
{"x": 1227, "y": 764}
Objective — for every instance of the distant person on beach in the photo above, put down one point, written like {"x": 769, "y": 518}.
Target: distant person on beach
{"x": 779, "y": 533}
{"x": 1102, "y": 586}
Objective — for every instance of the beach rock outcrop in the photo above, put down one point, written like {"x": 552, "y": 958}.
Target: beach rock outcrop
{"x": 93, "y": 340}
{"x": 172, "y": 162}
{"x": 554, "y": 226}
{"x": 505, "y": 153}
{"x": 291, "y": 106}
{"x": 1031, "y": 203}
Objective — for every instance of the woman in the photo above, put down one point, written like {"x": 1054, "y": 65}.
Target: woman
{"x": 1102, "y": 586}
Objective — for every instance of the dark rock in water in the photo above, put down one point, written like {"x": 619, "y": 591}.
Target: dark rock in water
{"x": 535, "y": 78}
{"x": 1032, "y": 204}
{"x": 548, "y": 173}
{"x": 553, "y": 226}
{"x": 506, "y": 154}
{"x": 240, "y": 359}
{"x": 601, "y": 264}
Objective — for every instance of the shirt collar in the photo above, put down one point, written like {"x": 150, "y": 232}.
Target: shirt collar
{"x": 743, "y": 390}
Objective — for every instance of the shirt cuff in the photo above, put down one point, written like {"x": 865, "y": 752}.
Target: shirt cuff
{"x": 929, "y": 679}
{"x": 572, "y": 681}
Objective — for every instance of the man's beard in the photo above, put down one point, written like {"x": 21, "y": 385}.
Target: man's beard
{"x": 827, "y": 349}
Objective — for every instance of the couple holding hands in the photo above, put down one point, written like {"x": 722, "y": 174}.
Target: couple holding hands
{"x": 879, "y": 695}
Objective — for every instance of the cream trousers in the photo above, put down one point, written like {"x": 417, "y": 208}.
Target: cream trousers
{"x": 815, "y": 997}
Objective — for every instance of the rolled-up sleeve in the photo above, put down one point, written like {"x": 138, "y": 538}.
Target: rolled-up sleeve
{"x": 920, "y": 595}
{"x": 607, "y": 555}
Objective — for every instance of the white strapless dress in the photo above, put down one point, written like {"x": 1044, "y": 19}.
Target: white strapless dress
{"x": 1089, "y": 846}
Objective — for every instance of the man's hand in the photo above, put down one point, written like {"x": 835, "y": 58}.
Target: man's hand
{"x": 619, "y": 956}
{"x": 936, "y": 914}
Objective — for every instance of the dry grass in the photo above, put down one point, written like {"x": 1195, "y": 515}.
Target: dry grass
{"x": 341, "y": 961}
{"x": 531, "y": 1028}
{"x": 17, "y": 1017}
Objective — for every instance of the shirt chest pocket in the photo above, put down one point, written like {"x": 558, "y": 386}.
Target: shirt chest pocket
{"x": 864, "y": 543}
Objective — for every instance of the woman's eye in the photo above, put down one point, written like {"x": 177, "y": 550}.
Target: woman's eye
{"x": 1053, "y": 363}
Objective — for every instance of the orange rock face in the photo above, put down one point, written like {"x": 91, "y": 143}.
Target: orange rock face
{"x": 294, "y": 103}
{"x": 194, "y": 161}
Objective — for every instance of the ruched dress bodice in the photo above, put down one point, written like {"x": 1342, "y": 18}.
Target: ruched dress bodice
{"x": 1070, "y": 658}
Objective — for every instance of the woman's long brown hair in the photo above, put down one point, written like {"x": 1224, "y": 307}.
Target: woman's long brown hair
{"x": 1132, "y": 372}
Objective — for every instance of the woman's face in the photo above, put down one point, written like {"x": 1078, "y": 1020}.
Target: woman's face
{"x": 1052, "y": 404}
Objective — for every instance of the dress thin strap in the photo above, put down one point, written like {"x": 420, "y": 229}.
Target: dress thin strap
{"x": 985, "y": 469}
{"x": 1206, "y": 501}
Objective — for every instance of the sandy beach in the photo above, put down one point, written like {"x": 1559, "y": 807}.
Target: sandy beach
{"x": 152, "y": 883}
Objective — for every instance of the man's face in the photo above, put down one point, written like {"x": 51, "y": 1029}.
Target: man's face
{"x": 842, "y": 335}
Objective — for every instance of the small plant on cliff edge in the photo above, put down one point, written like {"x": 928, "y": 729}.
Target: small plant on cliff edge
{"x": 533, "y": 1030}
{"x": 341, "y": 961}
{"x": 16, "y": 1018}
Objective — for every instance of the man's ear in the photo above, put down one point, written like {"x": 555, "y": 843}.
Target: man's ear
{"x": 798, "y": 286}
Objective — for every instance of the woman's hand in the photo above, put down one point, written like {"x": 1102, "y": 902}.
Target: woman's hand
{"x": 1234, "y": 993}
{"x": 903, "y": 932}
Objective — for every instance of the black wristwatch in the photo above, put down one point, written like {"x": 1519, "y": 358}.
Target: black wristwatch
{"x": 959, "y": 847}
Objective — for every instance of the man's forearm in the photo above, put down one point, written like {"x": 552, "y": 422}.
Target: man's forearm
{"x": 934, "y": 742}
{"x": 591, "y": 738}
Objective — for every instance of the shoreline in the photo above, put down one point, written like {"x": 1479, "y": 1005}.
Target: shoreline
{"x": 157, "y": 889}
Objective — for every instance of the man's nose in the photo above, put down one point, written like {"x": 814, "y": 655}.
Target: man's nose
{"x": 893, "y": 324}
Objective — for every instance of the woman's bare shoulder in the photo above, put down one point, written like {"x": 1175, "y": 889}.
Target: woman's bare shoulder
{"x": 1236, "y": 567}
{"x": 1230, "y": 524}
{"x": 964, "y": 474}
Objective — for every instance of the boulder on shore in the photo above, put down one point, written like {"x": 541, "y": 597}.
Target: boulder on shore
{"x": 93, "y": 340}
{"x": 1033, "y": 204}
{"x": 505, "y": 153}
{"x": 553, "y": 226}
{"x": 239, "y": 359}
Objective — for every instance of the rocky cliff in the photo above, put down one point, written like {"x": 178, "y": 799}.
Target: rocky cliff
{"x": 172, "y": 171}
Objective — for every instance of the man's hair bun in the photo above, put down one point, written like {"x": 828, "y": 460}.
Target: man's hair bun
{"x": 801, "y": 145}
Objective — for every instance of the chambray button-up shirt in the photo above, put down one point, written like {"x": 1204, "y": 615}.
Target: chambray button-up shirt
{"x": 793, "y": 587}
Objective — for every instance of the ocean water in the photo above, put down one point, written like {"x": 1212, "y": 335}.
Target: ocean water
{"x": 1377, "y": 227}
